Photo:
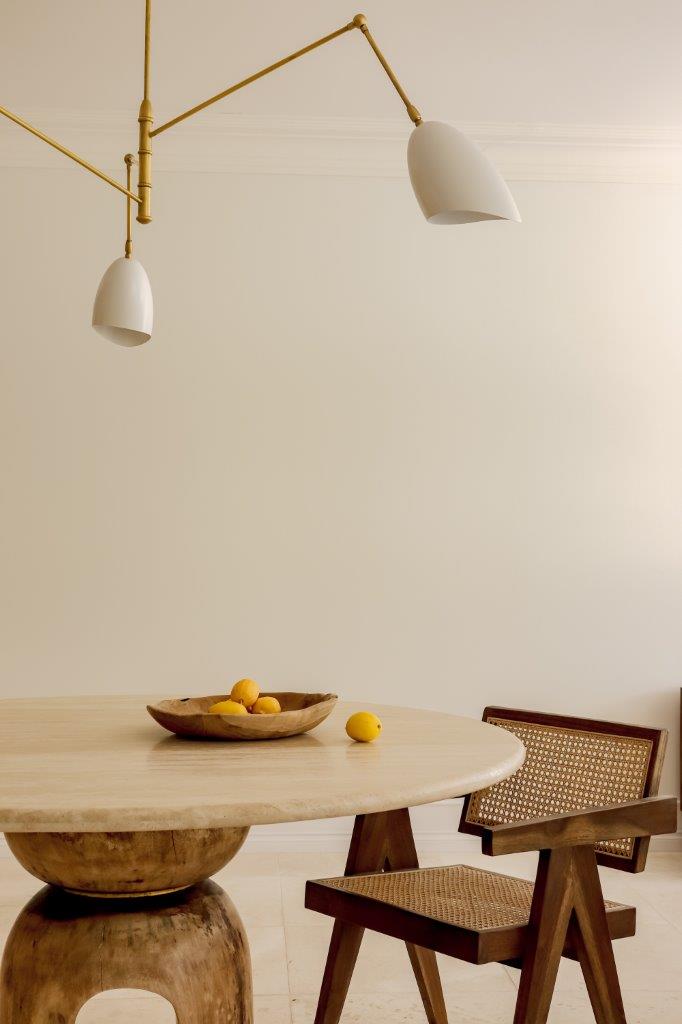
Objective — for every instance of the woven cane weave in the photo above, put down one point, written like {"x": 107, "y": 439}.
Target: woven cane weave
{"x": 566, "y": 770}
{"x": 459, "y": 895}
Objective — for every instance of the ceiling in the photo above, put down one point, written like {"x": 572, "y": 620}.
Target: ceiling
{"x": 608, "y": 62}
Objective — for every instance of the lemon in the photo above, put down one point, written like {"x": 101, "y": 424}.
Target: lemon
{"x": 228, "y": 707}
{"x": 266, "y": 706}
{"x": 363, "y": 726}
{"x": 245, "y": 692}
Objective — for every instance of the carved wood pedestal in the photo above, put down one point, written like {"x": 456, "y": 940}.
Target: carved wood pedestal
{"x": 188, "y": 946}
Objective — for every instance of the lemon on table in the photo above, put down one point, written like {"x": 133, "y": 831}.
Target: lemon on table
{"x": 245, "y": 692}
{"x": 228, "y": 707}
{"x": 266, "y": 706}
{"x": 363, "y": 726}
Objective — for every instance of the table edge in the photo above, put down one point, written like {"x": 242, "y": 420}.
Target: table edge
{"x": 250, "y": 815}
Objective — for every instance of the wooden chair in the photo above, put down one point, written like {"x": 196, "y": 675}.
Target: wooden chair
{"x": 585, "y": 795}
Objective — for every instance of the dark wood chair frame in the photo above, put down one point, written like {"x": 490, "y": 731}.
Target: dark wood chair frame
{"x": 568, "y": 916}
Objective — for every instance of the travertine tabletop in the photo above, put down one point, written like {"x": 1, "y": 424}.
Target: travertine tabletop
{"x": 98, "y": 764}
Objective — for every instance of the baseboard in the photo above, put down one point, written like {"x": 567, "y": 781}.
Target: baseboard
{"x": 429, "y": 843}
{"x": 434, "y": 826}
{"x": 435, "y": 830}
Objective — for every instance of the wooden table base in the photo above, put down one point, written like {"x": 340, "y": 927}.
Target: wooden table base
{"x": 188, "y": 947}
{"x": 116, "y": 864}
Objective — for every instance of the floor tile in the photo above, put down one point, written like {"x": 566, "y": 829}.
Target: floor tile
{"x": 311, "y": 865}
{"x": 16, "y": 885}
{"x": 272, "y": 1010}
{"x": 625, "y": 888}
{"x": 651, "y": 957}
{"x": 251, "y": 862}
{"x": 668, "y": 906}
{"x": 476, "y": 1001}
{"x": 140, "y": 1009}
{"x": 640, "y": 1008}
{"x": 293, "y": 904}
{"x": 8, "y": 916}
{"x": 667, "y": 865}
{"x": 256, "y": 897}
{"x": 269, "y": 961}
{"x": 382, "y": 965}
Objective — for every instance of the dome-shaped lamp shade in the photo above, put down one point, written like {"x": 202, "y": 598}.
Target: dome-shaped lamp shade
{"x": 453, "y": 180}
{"x": 124, "y": 308}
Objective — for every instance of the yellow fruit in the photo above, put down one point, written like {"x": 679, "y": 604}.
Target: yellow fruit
{"x": 363, "y": 726}
{"x": 266, "y": 706}
{"x": 228, "y": 707}
{"x": 245, "y": 692}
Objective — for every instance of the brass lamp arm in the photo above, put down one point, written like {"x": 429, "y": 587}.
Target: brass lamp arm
{"x": 359, "y": 21}
{"x": 67, "y": 152}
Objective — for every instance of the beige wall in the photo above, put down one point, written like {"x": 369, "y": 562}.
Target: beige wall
{"x": 409, "y": 464}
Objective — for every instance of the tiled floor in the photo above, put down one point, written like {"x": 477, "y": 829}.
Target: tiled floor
{"x": 288, "y": 946}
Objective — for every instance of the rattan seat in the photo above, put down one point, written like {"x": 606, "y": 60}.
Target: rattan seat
{"x": 493, "y": 909}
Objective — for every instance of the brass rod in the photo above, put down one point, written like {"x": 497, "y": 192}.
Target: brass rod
{"x": 145, "y": 120}
{"x": 129, "y": 161}
{"x": 67, "y": 152}
{"x": 147, "y": 44}
{"x": 361, "y": 22}
{"x": 253, "y": 78}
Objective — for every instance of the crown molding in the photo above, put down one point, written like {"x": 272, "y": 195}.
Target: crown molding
{"x": 225, "y": 143}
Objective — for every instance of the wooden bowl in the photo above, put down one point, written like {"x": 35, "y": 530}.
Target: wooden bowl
{"x": 189, "y": 716}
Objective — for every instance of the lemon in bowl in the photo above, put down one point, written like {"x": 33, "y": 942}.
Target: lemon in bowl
{"x": 227, "y": 707}
{"x": 266, "y": 706}
{"x": 245, "y": 692}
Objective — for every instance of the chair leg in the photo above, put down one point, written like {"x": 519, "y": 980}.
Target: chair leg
{"x": 367, "y": 853}
{"x": 379, "y": 841}
{"x": 338, "y": 971}
{"x": 593, "y": 942}
{"x": 402, "y": 855}
{"x": 549, "y": 919}
{"x": 425, "y": 967}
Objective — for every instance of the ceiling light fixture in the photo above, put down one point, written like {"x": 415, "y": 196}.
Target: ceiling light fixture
{"x": 453, "y": 180}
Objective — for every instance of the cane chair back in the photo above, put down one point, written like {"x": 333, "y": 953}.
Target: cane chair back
{"x": 572, "y": 764}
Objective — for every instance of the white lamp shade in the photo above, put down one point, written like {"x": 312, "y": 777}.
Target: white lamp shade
{"x": 124, "y": 307}
{"x": 453, "y": 180}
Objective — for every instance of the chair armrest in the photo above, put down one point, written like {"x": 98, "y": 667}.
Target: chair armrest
{"x": 648, "y": 817}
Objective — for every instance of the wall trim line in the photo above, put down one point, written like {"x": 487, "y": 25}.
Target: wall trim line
{"x": 349, "y": 147}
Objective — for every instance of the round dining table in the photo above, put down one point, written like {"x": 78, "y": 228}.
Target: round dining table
{"x": 127, "y": 823}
